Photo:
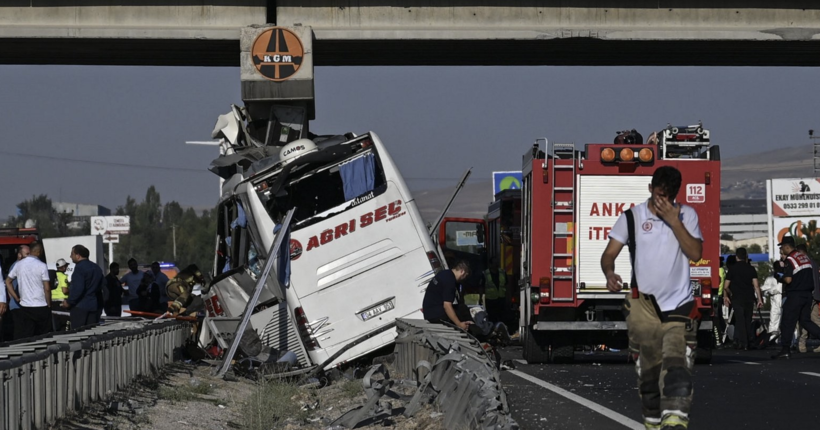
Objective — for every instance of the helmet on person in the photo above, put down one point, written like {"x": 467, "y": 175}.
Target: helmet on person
{"x": 193, "y": 271}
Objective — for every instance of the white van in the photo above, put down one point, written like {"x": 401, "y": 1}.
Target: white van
{"x": 359, "y": 253}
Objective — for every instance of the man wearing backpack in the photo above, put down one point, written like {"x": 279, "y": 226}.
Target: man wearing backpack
{"x": 664, "y": 235}
{"x": 815, "y": 316}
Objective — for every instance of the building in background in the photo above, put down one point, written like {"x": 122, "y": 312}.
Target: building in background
{"x": 746, "y": 222}
{"x": 80, "y": 213}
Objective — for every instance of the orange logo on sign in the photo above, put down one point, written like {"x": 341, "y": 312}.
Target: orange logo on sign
{"x": 277, "y": 54}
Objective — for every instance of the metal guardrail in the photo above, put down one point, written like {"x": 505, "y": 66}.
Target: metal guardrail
{"x": 49, "y": 377}
{"x": 455, "y": 371}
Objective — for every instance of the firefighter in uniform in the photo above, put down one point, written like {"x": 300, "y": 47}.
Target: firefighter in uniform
{"x": 661, "y": 319}
{"x": 495, "y": 291}
{"x": 180, "y": 290}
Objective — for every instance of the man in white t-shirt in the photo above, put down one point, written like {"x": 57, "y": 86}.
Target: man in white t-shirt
{"x": 662, "y": 332}
{"x": 34, "y": 295}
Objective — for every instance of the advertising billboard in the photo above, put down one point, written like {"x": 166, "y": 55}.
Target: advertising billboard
{"x": 795, "y": 197}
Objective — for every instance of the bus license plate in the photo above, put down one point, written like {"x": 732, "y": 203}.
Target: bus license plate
{"x": 378, "y": 310}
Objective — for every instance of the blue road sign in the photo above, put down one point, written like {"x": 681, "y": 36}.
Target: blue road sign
{"x": 506, "y": 181}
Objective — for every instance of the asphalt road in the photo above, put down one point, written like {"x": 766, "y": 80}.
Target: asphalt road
{"x": 738, "y": 390}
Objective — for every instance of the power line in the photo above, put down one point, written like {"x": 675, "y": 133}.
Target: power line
{"x": 145, "y": 166}
{"x": 106, "y": 163}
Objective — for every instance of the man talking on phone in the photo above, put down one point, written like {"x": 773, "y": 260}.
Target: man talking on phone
{"x": 662, "y": 236}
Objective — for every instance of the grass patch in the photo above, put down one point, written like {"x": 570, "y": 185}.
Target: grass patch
{"x": 351, "y": 388}
{"x": 270, "y": 403}
{"x": 184, "y": 393}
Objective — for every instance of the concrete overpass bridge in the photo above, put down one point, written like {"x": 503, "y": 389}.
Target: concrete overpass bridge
{"x": 418, "y": 32}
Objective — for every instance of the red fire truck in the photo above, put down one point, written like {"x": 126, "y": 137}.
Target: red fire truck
{"x": 569, "y": 201}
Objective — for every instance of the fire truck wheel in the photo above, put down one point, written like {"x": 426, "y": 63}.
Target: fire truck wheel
{"x": 535, "y": 348}
{"x": 563, "y": 354}
{"x": 703, "y": 356}
{"x": 703, "y": 353}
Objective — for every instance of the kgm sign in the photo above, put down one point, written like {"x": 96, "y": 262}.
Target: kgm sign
{"x": 277, "y": 54}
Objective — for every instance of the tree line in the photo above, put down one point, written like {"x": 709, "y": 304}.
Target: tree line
{"x": 155, "y": 229}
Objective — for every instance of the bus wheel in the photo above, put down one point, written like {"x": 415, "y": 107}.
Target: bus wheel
{"x": 535, "y": 352}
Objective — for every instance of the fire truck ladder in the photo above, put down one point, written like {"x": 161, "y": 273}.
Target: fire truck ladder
{"x": 563, "y": 215}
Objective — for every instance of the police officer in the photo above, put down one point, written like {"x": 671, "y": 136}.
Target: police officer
{"x": 798, "y": 285}
{"x": 180, "y": 290}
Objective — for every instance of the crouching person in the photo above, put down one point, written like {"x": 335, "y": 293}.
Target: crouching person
{"x": 440, "y": 298}
{"x": 180, "y": 290}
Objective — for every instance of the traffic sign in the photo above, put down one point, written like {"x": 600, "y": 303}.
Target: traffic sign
{"x": 506, "y": 181}
{"x": 111, "y": 238}
{"x": 101, "y": 225}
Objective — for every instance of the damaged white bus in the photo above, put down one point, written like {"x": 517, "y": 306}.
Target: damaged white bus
{"x": 359, "y": 253}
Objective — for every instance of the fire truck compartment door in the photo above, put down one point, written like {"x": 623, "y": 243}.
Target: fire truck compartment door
{"x": 601, "y": 200}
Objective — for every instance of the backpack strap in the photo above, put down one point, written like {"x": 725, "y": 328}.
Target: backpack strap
{"x": 630, "y": 243}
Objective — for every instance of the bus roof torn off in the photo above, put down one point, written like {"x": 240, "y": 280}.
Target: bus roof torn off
{"x": 355, "y": 257}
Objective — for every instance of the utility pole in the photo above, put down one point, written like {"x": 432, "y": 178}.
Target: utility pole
{"x": 174, "y": 235}
{"x": 816, "y": 140}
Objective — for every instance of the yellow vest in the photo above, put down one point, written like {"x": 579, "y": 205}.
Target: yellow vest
{"x": 492, "y": 291}
{"x": 722, "y": 274}
{"x": 57, "y": 293}
{"x": 472, "y": 299}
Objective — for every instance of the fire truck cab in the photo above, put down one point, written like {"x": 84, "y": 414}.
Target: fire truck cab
{"x": 570, "y": 200}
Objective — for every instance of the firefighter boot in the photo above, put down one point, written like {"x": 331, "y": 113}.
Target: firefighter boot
{"x": 652, "y": 423}
{"x": 671, "y": 421}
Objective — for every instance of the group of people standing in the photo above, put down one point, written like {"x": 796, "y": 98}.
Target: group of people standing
{"x": 29, "y": 297}
{"x": 794, "y": 288}
{"x": 31, "y": 294}
{"x": 143, "y": 291}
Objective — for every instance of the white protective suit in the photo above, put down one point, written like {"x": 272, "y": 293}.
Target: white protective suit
{"x": 774, "y": 290}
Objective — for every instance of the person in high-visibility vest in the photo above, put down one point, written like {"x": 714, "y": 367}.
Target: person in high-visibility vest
{"x": 495, "y": 291}
{"x": 59, "y": 294}
{"x": 717, "y": 305}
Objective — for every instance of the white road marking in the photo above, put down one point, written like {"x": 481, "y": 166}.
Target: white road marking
{"x": 745, "y": 362}
{"x": 609, "y": 413}
{"x": 520, "y": 361}
{"x": 811, "y": 374}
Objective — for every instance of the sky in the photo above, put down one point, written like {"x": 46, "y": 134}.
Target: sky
{"x": 97, "y": 134}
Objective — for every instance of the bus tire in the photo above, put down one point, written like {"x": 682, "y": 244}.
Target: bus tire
{"x": 535, "y": 352}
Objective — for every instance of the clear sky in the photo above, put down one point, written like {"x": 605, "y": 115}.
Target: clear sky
{"x": 97, "y": 134}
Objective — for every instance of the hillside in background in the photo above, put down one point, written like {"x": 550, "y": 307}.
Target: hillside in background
{"x": 472, "y": 202}
{"x": 745, "y": 176}
{"x": 742, "y": 177}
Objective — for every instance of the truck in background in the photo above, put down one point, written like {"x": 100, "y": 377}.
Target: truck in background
{"x": 60, "y": 247}
{"x": 570, "y": 200}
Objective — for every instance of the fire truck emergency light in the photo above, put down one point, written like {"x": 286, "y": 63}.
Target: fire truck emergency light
{"x": 627, "y": 155}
